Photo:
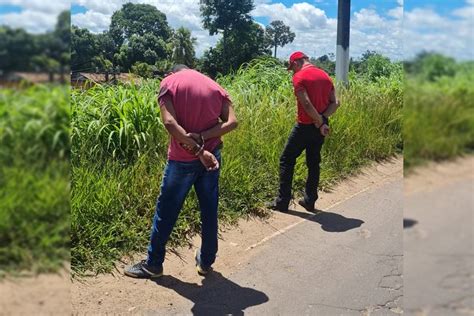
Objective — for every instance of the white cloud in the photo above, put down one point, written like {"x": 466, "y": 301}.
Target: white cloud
{"x": 37, "y": 16}
{"x": 301, "y": 16}
{"x": 396, "y": 13}
{"x": 367, "y": 19}
{"x": 465, "y": 12}
{"x": 450, "y": 34}
{"x": 316, "y": 33}
{"x": 96, "y": 22}
{"x": 100, "y": 6}
{"x": 42, "y": 6}
{"x": 420, "y": 18}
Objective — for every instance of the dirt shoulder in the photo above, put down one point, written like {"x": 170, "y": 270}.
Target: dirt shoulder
{"x": 434, "y": 175}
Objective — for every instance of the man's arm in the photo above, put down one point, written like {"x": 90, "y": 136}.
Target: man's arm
{"x": 333, "y": 104}
{"x": 304, "y": 100}
{"x": 227, "y": 124}
{"x": 168, "y": 116}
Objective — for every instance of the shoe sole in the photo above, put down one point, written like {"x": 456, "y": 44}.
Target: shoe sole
{"x": 150, "y": 276}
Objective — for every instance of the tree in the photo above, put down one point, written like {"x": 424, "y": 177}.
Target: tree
{"x": 138, "y": 20}
{"x": 147, "y": 48}
{"x": 278, "y": 34}
{"x": 226, "y": 17}
{"x": 182, "y": 45}
{"x": 246, "y": 44}
{"x": 140, "y": 33}
{"x": 326, "y": 62}
{"x": 378, "y": 66}
{"x": 143, "y": 69}
{"x": 431, "y": 66}
{"x": 85, "y": 50}
{"x": 16, "y": 49}
{"x": 223, "y": 16}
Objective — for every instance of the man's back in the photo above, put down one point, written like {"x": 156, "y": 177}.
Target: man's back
{"x": 197, "y": 101}
{"x": 318, "y": 86}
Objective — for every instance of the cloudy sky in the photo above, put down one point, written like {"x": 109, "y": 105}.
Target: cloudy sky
{"x": 391, "y": 27}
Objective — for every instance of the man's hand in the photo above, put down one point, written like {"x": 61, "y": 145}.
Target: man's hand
{"x": 324, "y": 130}
{"x": 192, "y": 142}
{"x": 209, "y": 161}
{"x": 197, "y": 138}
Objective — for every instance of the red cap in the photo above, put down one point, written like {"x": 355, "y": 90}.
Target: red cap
{"x": 294, "y": 57}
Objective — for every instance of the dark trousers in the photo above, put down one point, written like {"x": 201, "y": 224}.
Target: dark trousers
{"x": 178, "y": 179}
{"x": 302, "y": 137}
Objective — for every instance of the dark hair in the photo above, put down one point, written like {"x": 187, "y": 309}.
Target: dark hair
{"x": 178, "y": 67}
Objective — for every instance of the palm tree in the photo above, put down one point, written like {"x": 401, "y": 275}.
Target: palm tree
{"x": 183, "y": 47}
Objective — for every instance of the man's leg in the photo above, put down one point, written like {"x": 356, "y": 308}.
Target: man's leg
{"x": 293, "y": 148}
{"x": 313, "y": 158}
{"x": 177, "y": 181}
{"x": 207, "y": 191}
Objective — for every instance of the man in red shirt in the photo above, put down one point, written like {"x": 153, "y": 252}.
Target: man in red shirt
{"x": 316, "y": 101}
{"x": 196, "y": 112}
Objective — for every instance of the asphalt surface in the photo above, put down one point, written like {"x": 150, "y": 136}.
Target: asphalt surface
{"x": 346, "y": 260}
{"x": 438, "y": 250}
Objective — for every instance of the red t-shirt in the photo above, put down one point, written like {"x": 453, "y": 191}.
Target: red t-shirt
{"x": 197, "y": 100}
{"x": 318, "y": 86}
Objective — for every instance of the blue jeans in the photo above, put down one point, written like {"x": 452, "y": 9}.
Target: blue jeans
{"x": 178, "y": 179}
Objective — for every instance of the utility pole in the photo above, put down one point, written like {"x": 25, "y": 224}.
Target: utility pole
{"x": 342, "y": 50}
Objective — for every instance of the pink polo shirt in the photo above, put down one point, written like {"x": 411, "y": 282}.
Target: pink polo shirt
{"x": 197, "y": 100}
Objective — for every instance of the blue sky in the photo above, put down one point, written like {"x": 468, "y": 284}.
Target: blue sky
{"x": 441, "y": 25}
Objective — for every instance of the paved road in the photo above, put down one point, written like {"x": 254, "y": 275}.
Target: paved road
{"x": 345, "y": 261}
{"x": 438, "y": 249}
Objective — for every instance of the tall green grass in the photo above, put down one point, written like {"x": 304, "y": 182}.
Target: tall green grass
{"x": 34, "y": 179}
{"x": 119, "y": 150}
{"x": 438, "y": 118}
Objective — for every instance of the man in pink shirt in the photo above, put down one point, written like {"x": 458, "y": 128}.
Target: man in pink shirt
{"x": 196, "y": 111}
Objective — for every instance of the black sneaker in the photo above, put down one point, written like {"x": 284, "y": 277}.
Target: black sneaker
{"x": 274, "y": 205}
{"x": 143, "y": 271}
{"x": 201, "y": 270}
{"x": 308, "y": 207}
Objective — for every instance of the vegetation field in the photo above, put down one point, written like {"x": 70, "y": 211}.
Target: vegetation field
{"x": 119, "y": 150}
{"x": 439, "y": 110}
{"x": 34, "y": 179}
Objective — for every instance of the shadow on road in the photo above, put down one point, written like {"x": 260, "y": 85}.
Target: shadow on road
{"x": 216, "y": 296}
{"x": 408, "y": 223}
{"x": 330, "y": 222}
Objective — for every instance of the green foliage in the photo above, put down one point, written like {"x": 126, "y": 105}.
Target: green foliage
{"x": 183, "y": 47}
{"x": 120, "y": 146}
{"x": 224, "y": 16}
{"x": 21, "y": 51}
{"x": 34, "y": 179}
{"x": 438, "y": 115}
{"x": 16, "y": 48}
{"x": 236, "y": 48}
{"x": 120, "y": 122}
{"x": 326, "y": 62}
{"x": 34, "y": 124}
{"x": 138, "y": 20}
{"x": 431, "y": 66}
{"x": 143, "y": 69}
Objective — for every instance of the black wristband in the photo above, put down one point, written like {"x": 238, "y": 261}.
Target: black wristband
{"x": 325, "y": 120}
